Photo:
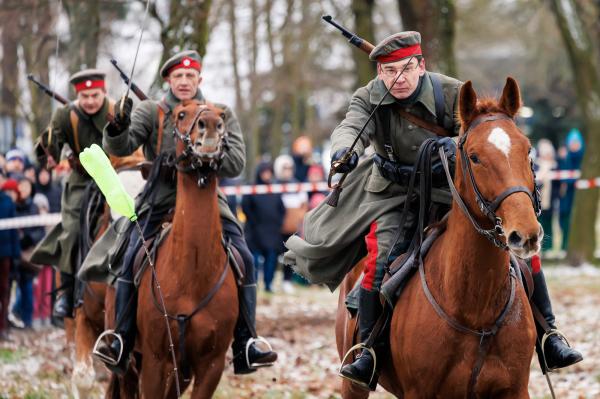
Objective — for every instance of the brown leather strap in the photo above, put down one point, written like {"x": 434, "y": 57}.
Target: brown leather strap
{"x": 161, "y": 120}
{"x": 75, "y": 125}
{"x": 432, "y": 127}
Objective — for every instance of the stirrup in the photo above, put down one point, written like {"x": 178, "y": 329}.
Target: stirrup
{"x": 356, "y": 347}
{"x": 547, "y": 335}
{"x": 102, "y": 356}
{"x": 251, "y": 342}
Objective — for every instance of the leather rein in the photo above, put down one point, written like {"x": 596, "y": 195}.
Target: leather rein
{"x": 494, "y": 235}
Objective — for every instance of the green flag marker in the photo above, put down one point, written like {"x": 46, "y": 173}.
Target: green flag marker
{"x": 98, "y": 166}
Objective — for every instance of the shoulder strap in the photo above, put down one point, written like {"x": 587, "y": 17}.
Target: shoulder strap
{"x": 161, "y": 121}
{"x": 384, "y": 114}
{"x": 75, "y": 126}
{"x": 438, "y": 130}
{"x": 438, "y": 97}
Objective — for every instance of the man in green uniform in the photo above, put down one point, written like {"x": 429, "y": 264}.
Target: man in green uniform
{"x": 78, "y": 124}
{"x": 145, "y": 127}
{"x": 380, "y": 189}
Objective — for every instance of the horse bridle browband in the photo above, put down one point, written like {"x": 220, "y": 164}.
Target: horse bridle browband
{"x": 488, "y": 208}
{"x": 194, "y": 161}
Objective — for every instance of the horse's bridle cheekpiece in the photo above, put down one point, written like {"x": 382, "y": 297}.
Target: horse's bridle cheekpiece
{"x": 193, "y": 161}
{"x": 488, "y": 208}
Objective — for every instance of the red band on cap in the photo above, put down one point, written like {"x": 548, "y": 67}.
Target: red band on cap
{"x": 401, "y": 53}
{"x": 89, "y": 84}
{"x": 186, "y": 62}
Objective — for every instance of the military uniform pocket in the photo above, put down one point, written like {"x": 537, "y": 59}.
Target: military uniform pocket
{"x": 376, "y": 182}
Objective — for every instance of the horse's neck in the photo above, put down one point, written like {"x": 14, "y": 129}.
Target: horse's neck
{"x": 196, "y": 229}
{"x": 470, "y": 279}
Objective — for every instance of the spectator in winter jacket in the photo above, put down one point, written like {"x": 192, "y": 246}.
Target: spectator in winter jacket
{"x": 264, "y": 217}
{"x": 50, "y": 188}
{"x": 10, "y": 252}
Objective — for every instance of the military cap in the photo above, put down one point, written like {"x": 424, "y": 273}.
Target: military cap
{"x": 397, "y": 47}
{"x": 185, "y": 59}
{"x": 88, "y": 79}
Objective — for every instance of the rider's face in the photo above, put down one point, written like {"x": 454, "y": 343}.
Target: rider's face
{"x": 91, "y": 100}
{"x": 184, "y": 83}
{"x": 407, "y": 82}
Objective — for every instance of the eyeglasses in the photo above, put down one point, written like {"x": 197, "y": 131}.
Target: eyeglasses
{"x": 390, "y": 72}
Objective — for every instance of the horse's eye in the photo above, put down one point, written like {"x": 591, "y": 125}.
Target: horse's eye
{"x": 201, "y": 124}
{"x": 181, "y": 115}
{"x": 219, "y": 126}
{"x": 474, "y": 158}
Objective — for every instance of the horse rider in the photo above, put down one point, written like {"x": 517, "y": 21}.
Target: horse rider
{"x": 78, "y": 124}
{"x": 145, "y": 126}
{"x": 432, "y": 98}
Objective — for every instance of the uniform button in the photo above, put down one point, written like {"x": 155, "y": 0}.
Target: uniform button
{"x": 414, "y": 147}
{"x": 411, "y": 127}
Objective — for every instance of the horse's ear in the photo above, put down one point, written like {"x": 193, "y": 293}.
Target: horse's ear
{"x": 467, "y": 102}
{"x": 511, "y": 97}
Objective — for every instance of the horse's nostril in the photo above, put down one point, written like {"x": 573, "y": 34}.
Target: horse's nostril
{"x": 515, "y": 238}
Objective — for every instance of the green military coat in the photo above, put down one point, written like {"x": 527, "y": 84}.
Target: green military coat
{"x": 60, "y": 245}
{"x": 143, "y": 131}
{"x": 333, "y": 240}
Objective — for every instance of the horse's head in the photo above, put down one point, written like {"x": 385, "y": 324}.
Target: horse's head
{"x": 495, "y": 172}
{"x": 201, "y": 135}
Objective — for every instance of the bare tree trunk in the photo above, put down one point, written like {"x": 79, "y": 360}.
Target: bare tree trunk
{"x": 583, "y": 58}
{"x": 38, "y": 46}
{"x": 435, "y": 20}
{"x": 84, "y": 28}
{"x": 9, "y": 91}
{"x": 363, "y": 22}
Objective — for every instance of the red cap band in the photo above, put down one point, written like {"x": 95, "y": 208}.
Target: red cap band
{"x": 401, "y": 53}
{"x": 186, "y": 62}
{"x": 89, "y": 84}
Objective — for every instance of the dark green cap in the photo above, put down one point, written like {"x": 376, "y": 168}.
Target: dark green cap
{"x": 185, "y": 59}
{"x": 397, "y": 47}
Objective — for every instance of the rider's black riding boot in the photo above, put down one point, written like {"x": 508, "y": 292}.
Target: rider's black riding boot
{"x": 558, "y": 353}
{"x": 362, "y": 370}
{"x": 63, "y": 307}
{"x": 126, "y": 312}
{"x": 246, "y": 358}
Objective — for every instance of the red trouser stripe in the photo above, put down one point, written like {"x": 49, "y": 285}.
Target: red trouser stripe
{"x": 371, "y": 263}
{"x": 536, "y": 264}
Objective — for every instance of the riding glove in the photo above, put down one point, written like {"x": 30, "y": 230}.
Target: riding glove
{"x": 344, "y": 167}
{"x": 121, "y": 120}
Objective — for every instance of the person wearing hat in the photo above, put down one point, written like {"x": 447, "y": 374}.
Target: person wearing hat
{"x": 78, "y": 124}
{"x": 338, "y": 240}
{"x": 145, "y": 127}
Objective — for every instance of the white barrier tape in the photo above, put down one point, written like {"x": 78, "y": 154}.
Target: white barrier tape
{"x": 564, "y": 174}
{"x": 274, "y": 188}
{"x": 53, "y": 218}
{"x": 49, "y": 219}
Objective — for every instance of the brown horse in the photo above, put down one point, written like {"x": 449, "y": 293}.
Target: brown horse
{"x": 189, "y": 264}
{"x": 88, "y": 322}
{"x": 467, "y": 274}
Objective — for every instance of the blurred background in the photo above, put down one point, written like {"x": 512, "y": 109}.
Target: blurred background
{"x": 289, "y": 76}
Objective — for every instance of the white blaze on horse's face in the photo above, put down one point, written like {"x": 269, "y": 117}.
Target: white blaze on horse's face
{"x": 499, "y": 138}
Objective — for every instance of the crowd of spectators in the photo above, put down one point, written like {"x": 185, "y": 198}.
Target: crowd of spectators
{"x": 24, "y": 287}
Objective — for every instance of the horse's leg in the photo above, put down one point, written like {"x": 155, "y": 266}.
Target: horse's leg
{"x": 83, "y": 377}
{"x": 207, "y": 374}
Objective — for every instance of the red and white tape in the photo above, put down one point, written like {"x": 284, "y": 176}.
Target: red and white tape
{"x": 258, "y": 189}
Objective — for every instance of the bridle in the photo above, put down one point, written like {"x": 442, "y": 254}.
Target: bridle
{"x": 190, "y": 161}
{"x": 488, "y": 208}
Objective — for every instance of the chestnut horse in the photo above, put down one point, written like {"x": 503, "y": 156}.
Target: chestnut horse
{"x": 443, "y": 346}
{"x": 88, "y": 322}
{"x": 192, "y": 268}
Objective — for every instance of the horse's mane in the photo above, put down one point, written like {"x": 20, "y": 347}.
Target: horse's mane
{"x": 486, "y": 105}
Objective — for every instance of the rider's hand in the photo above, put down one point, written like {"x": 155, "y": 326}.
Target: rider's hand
{"x": 122, "y": 118}
{"x": 449, "y": 147}
{"x": 343, "y": 167}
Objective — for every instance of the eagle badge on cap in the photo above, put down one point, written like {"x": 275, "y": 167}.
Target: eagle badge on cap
{"x": 88, "y": 83}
